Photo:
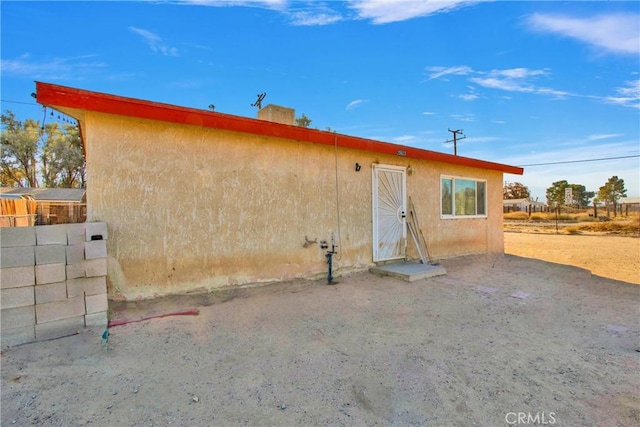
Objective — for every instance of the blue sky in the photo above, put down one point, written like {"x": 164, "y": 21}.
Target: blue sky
{"x": 527, "y": 82}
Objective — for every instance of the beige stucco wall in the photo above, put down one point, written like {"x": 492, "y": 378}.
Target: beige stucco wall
{"x": 192, "y": 208}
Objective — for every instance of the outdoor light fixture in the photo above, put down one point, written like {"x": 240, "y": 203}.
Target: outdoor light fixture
{"x": 358, "y": 167}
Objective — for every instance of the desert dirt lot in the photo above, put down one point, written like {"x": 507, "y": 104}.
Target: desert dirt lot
{"x": 498, "y": 340}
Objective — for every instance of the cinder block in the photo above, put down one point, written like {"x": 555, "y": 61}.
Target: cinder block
{"x": 96, "y": 303}
{"x": 95, "y": 229}
{"x": 95, "y": 285}
{"x": 16, "y": 277}
{"x": 95, "y": 267}
{"x": 86, "y": 286}
{"x": 15, "y": 336}
{"x": 51, "y": 234}
{"x": 75, "y": 234}
{"x": 75, "y": 287}
{"x": 59, "y": 328}
{"x": 75, "y": 253}
{"x": 75, "y": 270}
{"x": 19, "y": 256}
{"x": 49, "y": 312}
{"x": 51, "y": 254}
{"x": 96, "y": 319}
{"x": 17, "y": 317}
{"x": 51, "y": 292}
{"x": 17, "y": 236}
{"x": 50, "y": 273}
{"x": 17, "y": 297}
{"x": 95, "y": 249}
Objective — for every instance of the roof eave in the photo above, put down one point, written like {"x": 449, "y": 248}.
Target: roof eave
{"x": 61, "y": 96}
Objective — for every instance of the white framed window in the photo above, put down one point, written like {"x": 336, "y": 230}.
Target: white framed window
{"x": 462, "y": 197}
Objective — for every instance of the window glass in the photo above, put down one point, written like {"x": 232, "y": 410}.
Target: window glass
{"x": 481, "y": 198}
{"x": 447, "y": 200}
{"x": 463, "y": 197}
{"x": 465, "y": 200}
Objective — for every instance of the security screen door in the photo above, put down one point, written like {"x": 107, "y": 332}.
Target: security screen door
{"x": 389, "y": 207}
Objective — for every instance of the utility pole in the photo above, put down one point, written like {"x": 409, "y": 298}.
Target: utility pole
{"x": 456, "y": 139}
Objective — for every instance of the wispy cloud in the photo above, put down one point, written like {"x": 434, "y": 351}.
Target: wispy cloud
{"x": 403, "y": 139}
{"x": 598, "y": 137}
{"x": 355, "y": 104}
{"x": 269, "y": 4}
{"x": 70, "y": 68}
{"x": 511, "y": 80}
{"x": 627, "y": 96}
{"x": 313, "y": 14}
{"x": 468, "y": 97}
{"x": 614, "y": 33}
{"x": 155, "y": 42}
{"x": 525, "y": 80}
{"x": 464, "y": 117}
{"x": 387, "y": 11}
{"x": 428, "y": 113}
{"x": 439, "y": 72}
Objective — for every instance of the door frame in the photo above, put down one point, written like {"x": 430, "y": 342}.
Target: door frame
{"x": 401, "y": 214}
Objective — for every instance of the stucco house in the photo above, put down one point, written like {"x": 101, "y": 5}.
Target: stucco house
{"x": 198, "y": 200}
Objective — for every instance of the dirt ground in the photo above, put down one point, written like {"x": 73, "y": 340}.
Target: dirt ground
{"x": 614, "y": 257}
{"x": 500, "y": 340}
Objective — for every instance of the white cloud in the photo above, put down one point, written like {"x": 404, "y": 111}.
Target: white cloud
{"x": 616, "y": 33}
{"x": 311, "y": 17}
{"x": 155, "y": 42}
{"x": 508, "y": 85}
{"x": 627, "y": 96}
{"x": 71, "y": 68}
{"x": 604, "y": 136}
{"x": 386, "y": 11}
{"x": 438, "y": 72}
{"x": 468, "y": 97}
{"x": 269, "y": 4}
{"x": 464, "y": 117}
{"x": 428, "y": 113}
{"x": 354, "y": 104}
{"x": 403, "y": 139}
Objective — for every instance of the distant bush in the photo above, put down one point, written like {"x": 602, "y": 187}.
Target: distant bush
{"x": 516, "y": 216}
{"x": 618, "y": 227}
{"x": 539, "y": 216}
{"x": 585, "y": 218}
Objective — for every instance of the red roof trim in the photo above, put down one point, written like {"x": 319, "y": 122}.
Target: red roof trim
{"x": 62, "y": 96}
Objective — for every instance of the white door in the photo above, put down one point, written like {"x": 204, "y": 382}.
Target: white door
{"x": 389, "y": 207}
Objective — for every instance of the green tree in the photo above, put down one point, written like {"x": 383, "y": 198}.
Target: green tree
{"x": 555, "y": 193}
{"x": 580, "y": 195}
{"x": 53, "y": 155}
{"x": 611, "y": 192}
{"x": 19, "y": 151}
{"x": 515, "y": 190}
{"x": 303, "y": 121}
{"x": 62, "y": 157}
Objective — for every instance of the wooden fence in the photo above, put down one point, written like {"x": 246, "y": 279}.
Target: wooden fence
{"x": 17, "y": 212}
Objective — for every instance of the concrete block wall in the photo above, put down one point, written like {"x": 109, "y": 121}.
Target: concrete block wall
{"x": 53, "y": 280}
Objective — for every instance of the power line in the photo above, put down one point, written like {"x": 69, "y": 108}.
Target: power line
{"x": 18, "y": 102}
{"x": 581, "y": 161}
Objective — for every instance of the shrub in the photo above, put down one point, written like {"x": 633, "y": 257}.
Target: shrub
{"x": 539, "y": 216}
{"x": 516, "y": 216}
